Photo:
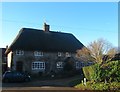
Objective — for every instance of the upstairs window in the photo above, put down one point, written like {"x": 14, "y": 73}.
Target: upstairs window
{"x": 59, "y": 64}
{"x": 19, "y": 52}
{"x": 38, "y": 53}
{"x": 68, "y": 54}
{"x": 59, "y": 54}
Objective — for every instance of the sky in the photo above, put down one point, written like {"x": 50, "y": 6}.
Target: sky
{"x": 87, "y": 21}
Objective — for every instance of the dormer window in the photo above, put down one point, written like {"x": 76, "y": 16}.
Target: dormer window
{"x": 59, "y": 54}
{"x": 38, "y": 53}
{"x": 68, "y": 54}
{"x": 19, "y": 52}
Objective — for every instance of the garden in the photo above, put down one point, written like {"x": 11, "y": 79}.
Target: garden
{"x": 101, "y": 77}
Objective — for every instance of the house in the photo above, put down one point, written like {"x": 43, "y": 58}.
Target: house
{"x": 3, "y": 59}
{"x": 43, "y": 51}
{"x": 116, "y": 57}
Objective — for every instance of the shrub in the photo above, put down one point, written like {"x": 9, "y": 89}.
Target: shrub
{"x": 114, "y": 85}
{"x": 92, "y": 72}
{"x": 109, "y": 72}
{"x": 88, "y": 71}
{"x": 99, "y": 86}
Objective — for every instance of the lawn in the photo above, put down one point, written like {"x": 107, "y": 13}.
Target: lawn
{"x": 99, "y": 86}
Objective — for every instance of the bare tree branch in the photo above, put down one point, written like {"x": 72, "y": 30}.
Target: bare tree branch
{"x": 96, "y": 51}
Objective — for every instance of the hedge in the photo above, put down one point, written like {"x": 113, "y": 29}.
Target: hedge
{"x": 109, "y": 72}
{"x": 89, "y": 71}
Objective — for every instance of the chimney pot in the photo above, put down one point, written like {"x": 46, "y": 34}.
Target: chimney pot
{"x": 46, "y": 27}
{"x": 6, "y": 46}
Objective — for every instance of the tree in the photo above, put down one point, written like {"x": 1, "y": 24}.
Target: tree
{"x": 97, "y": 51}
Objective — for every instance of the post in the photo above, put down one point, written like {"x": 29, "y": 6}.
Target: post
{"x": 85, "y": 81}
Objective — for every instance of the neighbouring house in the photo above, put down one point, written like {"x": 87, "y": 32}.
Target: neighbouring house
{"x": 116, "y": 57}
{"x": 3, "y": 59}
{"x": 43, "y": 51}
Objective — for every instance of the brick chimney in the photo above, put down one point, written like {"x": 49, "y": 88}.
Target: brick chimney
{"x": 46, "y": 27}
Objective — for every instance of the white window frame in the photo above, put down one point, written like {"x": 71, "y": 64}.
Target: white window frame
{"x": 59, "y": 54}
{"x": 38, "y": 65}
{"x": 59, "y": 64}
{"x": 68, "y": 54}
{"x": 38, "y": 53}
{"x": 19, "y": 52}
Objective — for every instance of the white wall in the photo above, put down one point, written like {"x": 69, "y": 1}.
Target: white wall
{"x": 9, "y": 59}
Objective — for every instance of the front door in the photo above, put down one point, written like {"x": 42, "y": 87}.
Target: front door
{"x": 19, "y": 66}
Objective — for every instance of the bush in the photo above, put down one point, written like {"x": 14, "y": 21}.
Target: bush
{"x": 88, "y": 71}
{"x": 92, "y": 72}
{"x": 99, "y": 86}
{"x": 109, "y": 72}
{"x": 114, "y": 86}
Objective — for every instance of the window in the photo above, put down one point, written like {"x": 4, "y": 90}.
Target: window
{"x": 78, "y": 65}
{"x": 59, "y": 54}
{"x": 59, "y": 64}
{"x": 19, "y": 52}
{"x": 90, "y": 63}
{"x": 82, "y": 64}
{"x": 38, "y": 53}
{"x": 38, "y": 65}
{"x": 68, "y": 54}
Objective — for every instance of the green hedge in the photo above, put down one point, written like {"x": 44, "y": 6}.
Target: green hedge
{"x": 91, "y": 71}
{"x": 112, "y": 87}
{"x": 88, "y": 71}
{"x": 109, "y": 72}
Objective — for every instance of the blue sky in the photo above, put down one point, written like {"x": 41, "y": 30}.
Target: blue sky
{"x": 88, "y": 21}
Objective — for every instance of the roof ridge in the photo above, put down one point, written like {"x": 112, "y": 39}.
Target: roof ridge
{"x": 33, "y": 29}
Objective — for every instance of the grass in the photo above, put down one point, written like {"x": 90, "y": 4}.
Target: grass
{"x": 99, "y": 86}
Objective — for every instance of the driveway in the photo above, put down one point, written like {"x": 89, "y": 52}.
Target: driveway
{"x": 55, "y": 85}
{"x": 39, "y": 83}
